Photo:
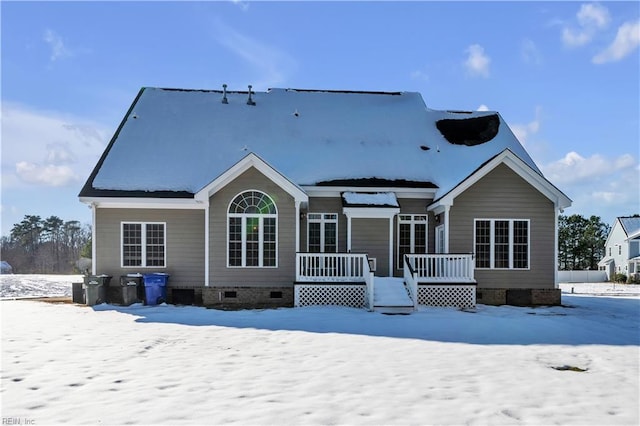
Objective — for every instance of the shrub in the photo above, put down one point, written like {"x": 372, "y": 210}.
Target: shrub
{"x": 633, "y": 279}
{"x": 619, "y": 278}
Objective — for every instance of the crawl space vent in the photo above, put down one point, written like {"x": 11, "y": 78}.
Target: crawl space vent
{"x": 469, "y": 131}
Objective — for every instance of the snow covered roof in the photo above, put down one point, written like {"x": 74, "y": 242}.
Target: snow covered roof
{"x": 365, "y": 199}
{"x": 631, "y": 225}
{"x": 174, "y": 142}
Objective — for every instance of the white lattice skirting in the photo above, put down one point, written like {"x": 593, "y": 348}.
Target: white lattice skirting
{"x": 461, "y": 296}
{"x": 335, "y": 294}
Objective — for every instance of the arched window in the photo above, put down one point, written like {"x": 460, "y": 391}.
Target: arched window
{"x": 252, "y": 231}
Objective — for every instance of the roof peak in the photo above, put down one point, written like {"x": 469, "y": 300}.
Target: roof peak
{"x": 280, "y": 89}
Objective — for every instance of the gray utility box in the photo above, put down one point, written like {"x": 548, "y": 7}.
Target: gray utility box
{"x": 78, "y": 293}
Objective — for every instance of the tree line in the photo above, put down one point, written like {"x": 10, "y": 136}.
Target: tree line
{"x": 46, "y": 246}
{"x": 581, "y": 242}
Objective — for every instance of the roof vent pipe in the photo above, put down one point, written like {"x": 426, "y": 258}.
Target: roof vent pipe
{"x": 224, "y": 94}
{"x": 250, "y": 101}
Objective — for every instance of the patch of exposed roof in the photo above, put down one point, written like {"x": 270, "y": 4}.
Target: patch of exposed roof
{"x": 181, "y": 140}
{"x": 369, "y": 199}
{"x": 469, "y": 131}
{"x": 377, "y": 183}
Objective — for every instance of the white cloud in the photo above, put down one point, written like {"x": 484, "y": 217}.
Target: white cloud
{"x": 524, "y": 131}
{"x": 477, "y": 63}
{"x": 47, "y": 148}
{"x": 243, "y": 5}
{"x": 599, "y": 185}
{"x": 46, "y": 175}
{"x": 592, "y": 17}
{"x": 419, "y": 75}
{"x": 483, "y": 107}
{"x": 55, "y": 42}
{"x": 59, "y": 153}
{"x": 273, "y": 65}
{"x": 530, "y": 53}
{"x": 593, "y": 14}
{"x": 576, "y": 168}
{"x": 626, "y": 41}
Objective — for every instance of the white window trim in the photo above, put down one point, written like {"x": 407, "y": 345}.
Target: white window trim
{"x": 492, "y": 236}
{"x": 244, "y": 217}
{"x": 322, "y": 221}
{"x": 143, "y": 239}
{"x": 413, "y": 221}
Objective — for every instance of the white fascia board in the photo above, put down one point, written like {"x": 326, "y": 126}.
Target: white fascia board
{"x": 143, "y": 203}
{"x": 251, "y": 160}
{"x": 371, "y": 212}
{"x": 336, "y": 191}
{"x": 521, "y": 168}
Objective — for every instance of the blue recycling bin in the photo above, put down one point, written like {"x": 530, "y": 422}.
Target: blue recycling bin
{"x": 155, "y": 288}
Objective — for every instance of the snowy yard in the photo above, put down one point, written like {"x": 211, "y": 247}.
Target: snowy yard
{"x": 64, "y": 363}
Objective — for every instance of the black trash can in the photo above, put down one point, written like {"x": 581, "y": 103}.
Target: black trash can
{"x": 130, "y": 288}
{"x": 95, "y": 289}
{"x": 77, "y": 293}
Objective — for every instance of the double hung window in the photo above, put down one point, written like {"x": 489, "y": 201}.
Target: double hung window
{"x": 143, "y": 244}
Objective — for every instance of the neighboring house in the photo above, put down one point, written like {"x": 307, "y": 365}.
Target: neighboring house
{"x": 622, "y": 249}
{"x": 300, "y": 197}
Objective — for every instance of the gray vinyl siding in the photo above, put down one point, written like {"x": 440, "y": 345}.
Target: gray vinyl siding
{"x": 284, "y": 273}
{"x": 502, "y": 194}
{"x": 372, "y": 236}
{"x": 413, "y": 206}
{"x": 184, "y": 239}
{"x": 326, "y": 205}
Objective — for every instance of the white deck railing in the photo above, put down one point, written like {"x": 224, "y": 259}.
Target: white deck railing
{"x": 411, "y": 281}
{"x": 339, "y": 267}
{"x": 441, "y": 268}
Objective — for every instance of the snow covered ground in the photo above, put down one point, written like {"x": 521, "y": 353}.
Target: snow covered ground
{"x": 17, "y": 286}
{"x": 64, "y": 363}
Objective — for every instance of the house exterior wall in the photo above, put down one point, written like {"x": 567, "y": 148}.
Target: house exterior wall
{"x": 223, "y": 276}
{"x": 502, "y": 194}
{"x": 372, "y": 236}
{"x": 184, "y": 233}
{"x": 619, "y": 249}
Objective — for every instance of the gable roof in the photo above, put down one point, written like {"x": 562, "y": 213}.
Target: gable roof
{"x": 175, "y": 141}
{"x": 630, "y": 225}
{"x": 251, "y": 160}
{"x": 519, "y": 166}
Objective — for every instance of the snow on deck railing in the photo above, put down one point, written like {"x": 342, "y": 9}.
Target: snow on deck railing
{"x": 431, "y": 268}
{"x": 338, "y": 267}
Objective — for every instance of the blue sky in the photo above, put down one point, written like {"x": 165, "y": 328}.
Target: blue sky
{"x": 564, "y": 75}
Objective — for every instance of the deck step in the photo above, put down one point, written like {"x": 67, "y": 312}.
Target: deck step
{"x": 391, "y": 296}
{"x": 405, "y": 310}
